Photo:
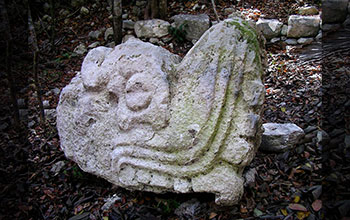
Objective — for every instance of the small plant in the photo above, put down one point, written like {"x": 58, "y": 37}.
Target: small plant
{"x": 179, "y": 33}
{"x": 167, "y": 205}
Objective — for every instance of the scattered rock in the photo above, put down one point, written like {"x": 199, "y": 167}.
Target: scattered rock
{"x": 284, "y": 30}
{"x": 229, "y": 10}
{"x": 84, "y": 11}
{"x": 195, "y": 7}
{"x": 47, "y": 18}
{"x": 270, "y": 28}
{"x": 308, "y": 10}
{"x": 80, "y": 49}
{"x": 310, "y": 129}
{"x": 46, "y": 104}
{"x": 171, "y": 45}
{"x": 108, "y": 34}
{"x": 128, "y": 24}
{"x": 280, "y": 137}
{"x": 94, "y": 44}
{"x": 56, "y": 91}
{"x": 305, "y": 41}
{"x": 151, "y": 28}
{"x": 167, "y": 39}
{"x": 50, "y": 114}
{"x": 110, "y": 201}
{"x": 334, "y": 11}
{"x": 127, "y": 37}
{"x": 31, "y": 124}
{"x": 57, "y": 167}
{"x": 154, "y": 40}
{"x": 194, "y": 25}
{"x": 249, "y": 176}
{"x": 303, "y": 26}
{"x": 190, "y": 209}
{"x": 275, "y": 40}
{"x": 291, "y": 41}
{"x": 95, "y": 34}
{"x": 111, "y": 44}
{"x": 319, "y": 35}
{"x": 322, "y": 137}
{"x": 141, "y": 4}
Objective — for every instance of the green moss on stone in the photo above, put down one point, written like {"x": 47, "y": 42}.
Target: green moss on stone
{"x": 250, "y": 34}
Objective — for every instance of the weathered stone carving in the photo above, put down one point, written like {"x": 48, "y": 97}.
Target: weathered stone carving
{"x": 143, "y": 120}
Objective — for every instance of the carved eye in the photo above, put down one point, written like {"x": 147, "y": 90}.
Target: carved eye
{"x": 138, "y": 92}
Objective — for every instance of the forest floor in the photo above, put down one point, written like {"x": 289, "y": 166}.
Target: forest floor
{"x": 306, "y": 182}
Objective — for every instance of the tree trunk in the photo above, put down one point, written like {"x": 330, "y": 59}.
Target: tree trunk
{"x": 117, "y": 21}
{"x": 214, "y": 8}
{"x": 53, "y": 26}
{"x": 154, "y": 8}
{"x": 11, "y": 82}
{"x": 163, "y": 9}
{"x": 35, "y": 48}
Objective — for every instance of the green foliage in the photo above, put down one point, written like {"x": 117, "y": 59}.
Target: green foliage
{"x": 179, "y": 33}
{"x": 76, "y": 172}
{"x": 64, "y": 56}
{"x": 168, "y": 206}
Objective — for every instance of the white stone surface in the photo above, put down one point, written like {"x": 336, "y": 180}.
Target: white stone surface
{"x": 143, "y": 120}
{"x": 303, "y": 26}
{"x": 280, "y": 137}
{"x": 270, "y": 28}
{"x": 194, "y": 25}
{"x": 151, "y": 28}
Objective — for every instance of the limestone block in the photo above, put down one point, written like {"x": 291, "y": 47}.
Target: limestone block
{"x": 270, "y": 28}
{"x": 305, "y": 41}
{"x": 308, "y": 10}
{"x": 303, "y": 26}
{"x": 143, "y": 119}
{"x": 280, "y": 137}
{"x": 151, "y": 28}
{"x": 194, "y": 25}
